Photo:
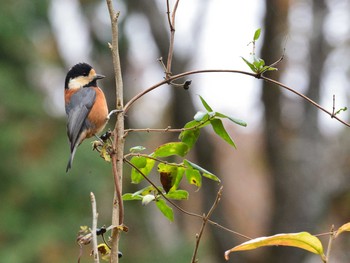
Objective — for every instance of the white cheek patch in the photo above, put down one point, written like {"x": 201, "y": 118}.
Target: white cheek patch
{"x": 77, "y": 83}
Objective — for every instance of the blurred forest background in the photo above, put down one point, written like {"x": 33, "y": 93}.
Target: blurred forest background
{"x": 289, "y": 174}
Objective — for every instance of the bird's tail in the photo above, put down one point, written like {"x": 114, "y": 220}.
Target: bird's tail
{"x": 70, "y": 162}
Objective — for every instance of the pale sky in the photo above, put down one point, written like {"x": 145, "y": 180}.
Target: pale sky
{"x": 229, "y": 27}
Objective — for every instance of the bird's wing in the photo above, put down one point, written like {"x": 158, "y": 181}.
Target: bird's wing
{"x": 77, "y": 110}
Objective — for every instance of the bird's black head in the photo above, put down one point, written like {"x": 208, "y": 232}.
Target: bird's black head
{"x": 80, "y": 75}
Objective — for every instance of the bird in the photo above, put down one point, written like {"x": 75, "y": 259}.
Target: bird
{"x": 85, "y": 105}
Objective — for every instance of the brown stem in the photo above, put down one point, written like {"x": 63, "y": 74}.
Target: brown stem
{"x": 169, "y": 129}
{"x": 118, "y": 141}
{"x": 181, "y": 75}
{"x": 305, "y": 98}
{"x": 330, "y": 241}
{"x": 172, "y": 37}
{"x": 204, "y": 223}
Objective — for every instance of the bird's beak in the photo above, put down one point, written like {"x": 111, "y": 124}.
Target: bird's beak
{"x": 99, "y": 76}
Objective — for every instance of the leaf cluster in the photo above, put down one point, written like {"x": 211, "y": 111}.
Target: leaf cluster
{"x": 171, "y": 173}
{"x": 257, "y": 65}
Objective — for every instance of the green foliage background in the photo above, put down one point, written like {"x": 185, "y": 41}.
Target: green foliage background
{"x": 41, "y": 207}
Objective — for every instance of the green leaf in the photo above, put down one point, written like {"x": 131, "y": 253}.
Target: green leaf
{"x": 172, "y": 148}
{"x": 190, "y": 136}
{"x": 257, "y": 34}
{"x": 193, "y": 177}
{"x": 168, "y": 168}
{"x": 177, "y": 195}
{"x": 340, "y": 110}
{"x": 252, "y": 67}
{"x": 220, "y": 130}
{"x": 179, "y": 175}
{"x": 137, "y": 149}
{"x": 204, "y": 172}
{"x": 104, "y": 153}
{"x": 145, "y": 191}
{"x": 205, "y": 104}
{"x": 131, "y": 197}
{"x": 165, "y": 209}
{"x": 144, "y": 164}
{"x": 267, "y": 68}
{"x": 259, "y": 63}
{"x": 301, "y": 240}
{"x": 234, "y": 120}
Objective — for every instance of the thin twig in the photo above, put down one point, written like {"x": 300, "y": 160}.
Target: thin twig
{"x": 94, "y": 227}
{"x": 305, "y": 98}
{"x": 168, "y": 14}
{"x": 160, "y": 60}
{"x": 204, "y": 223}
{"x": 152, "y": 158}
{"x": 323, "y": 234}
{"x": 172, "y": 37}
{"x": 169, "y": 129}
{"x": 333, "y": 109}
{"x": 330, "y": 241}
{"x": 181, "y": 75}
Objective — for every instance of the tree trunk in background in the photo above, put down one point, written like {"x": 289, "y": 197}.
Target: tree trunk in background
{"x": 296, "y": 155}
{"x": 181, "y": 111}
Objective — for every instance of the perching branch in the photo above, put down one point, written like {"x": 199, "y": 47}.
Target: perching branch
{"x": 118, "y": 141}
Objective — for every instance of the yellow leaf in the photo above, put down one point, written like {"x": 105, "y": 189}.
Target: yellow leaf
{"x": 301, "y": 240}
{"x": 105, "y": 252}
{"x": 343, "y": 228}
{"x": 104, "y": 153}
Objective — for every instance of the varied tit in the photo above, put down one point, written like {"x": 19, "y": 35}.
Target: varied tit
{"x": 86, "y": 106}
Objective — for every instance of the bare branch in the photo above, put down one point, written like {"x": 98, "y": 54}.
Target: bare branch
{"x": 169, "y": 129}
{"x": 172, "y": 37}
{"x": 204, "y": 223}
{"x": 305, "y": 98}
{"x": 168, "y": 14}
{"x": 152, "y": 158}
{"x": 94, "y": 227}
{"x": 181, "y": 75}
{"x": 193, "y": 72}
{"x": 333, "y": 109}
{"x": 330, "y": 241}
